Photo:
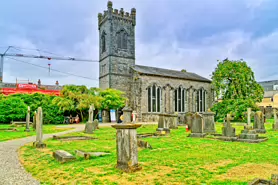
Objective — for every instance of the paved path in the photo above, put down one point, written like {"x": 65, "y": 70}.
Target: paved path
{"x": 11, "y": 171}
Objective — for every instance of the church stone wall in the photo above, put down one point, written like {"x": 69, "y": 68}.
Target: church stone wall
{"x": 145, "y": 81}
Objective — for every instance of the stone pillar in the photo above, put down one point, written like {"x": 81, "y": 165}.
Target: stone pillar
{"x": 89, "y": 125}
{"x": 34, "y": 120}
{"x": 39, "y": 129}
{"x": 248, "y": 116}
{"x": 127, "y": 150}
{"x": 28, "y": 120}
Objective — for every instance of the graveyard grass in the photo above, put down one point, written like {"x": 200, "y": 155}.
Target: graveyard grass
{"x": 20, "y": 133}
{"x": 174, "y": 159}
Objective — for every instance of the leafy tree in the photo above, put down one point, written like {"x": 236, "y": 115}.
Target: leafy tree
{"x": 113, "y": 99}
{"x": 235, "y": 81}
{"x": 12, "y": 109}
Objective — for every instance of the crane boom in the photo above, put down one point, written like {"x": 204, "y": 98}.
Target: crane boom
{"x": 48, "y": 57}
{"x": 35, "y": 56}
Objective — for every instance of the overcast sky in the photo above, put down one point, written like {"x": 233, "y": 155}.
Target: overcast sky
{"x": 174, "y": 34}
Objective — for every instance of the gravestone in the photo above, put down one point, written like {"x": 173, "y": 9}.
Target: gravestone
{"x": 188, "y": 119}
{"x": 275, "y": 124}
{"x": 95, "y": 124}
{"x": 249, "y": 135}
{"x": 39, "y": 130}
{"x": 34, "y": 120}
{"x": 28, "y": 120}
{"x": 197, "y": 129}
{"x": 163, "y": 124}
{"x": 259, "y": 122}
{"x": 209, "y": 123}
{"x": 127, "y": 150}
{"x": 89, "y": 127}
{"x": 228, "y": 132}
{"x": 63, "y": 156}
{"x": 268, "y": 112}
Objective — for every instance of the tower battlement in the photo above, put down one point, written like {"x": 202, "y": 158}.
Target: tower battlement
{"x": 115, "y": 13}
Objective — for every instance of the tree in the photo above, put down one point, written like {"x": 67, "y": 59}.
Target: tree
{"x": 234, "y": 81}
{"x": 112, "y": 99}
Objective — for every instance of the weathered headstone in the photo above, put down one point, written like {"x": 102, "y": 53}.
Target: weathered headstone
{"x": 127, "y": 150}
{"x": 259, "y": 122}
{"x": 28, "y": 120}
{"x": 63, "y": 156}
{"x": 275, "y": 124}
{"x": 163, "y": 124}
{"x": 209, "y": 123}
{"x": 228, "y": 132}
{"x": 197, "y": 129}
{"x": 250, "y": 135}
{"x": 95, "y": 124}
{"x": 34, "y": 120}
{"x": 268, "y": 112}
{"x": 39, "y": 130}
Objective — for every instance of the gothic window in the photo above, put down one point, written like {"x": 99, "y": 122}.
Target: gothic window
{"x": 103, "y": 43}
{"x": 122, "y": 38}
{"x": 201, "y": 100}
{"x": 154, "y": 99}
{"x": 180, "y": 99}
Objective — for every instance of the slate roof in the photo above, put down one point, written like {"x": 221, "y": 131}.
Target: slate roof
{"x": 169, "y": 73}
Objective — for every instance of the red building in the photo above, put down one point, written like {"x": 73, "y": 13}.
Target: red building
{"x": 11, "y": 88}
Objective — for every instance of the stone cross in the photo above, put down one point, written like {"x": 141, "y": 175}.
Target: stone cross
{"x": 91, "y": 113}
{"x": 39, "y": 130}
{"x": 34, "y": 120}
{"x": 28, "y": 120}
{"x": 127, "y": 150}
{"x": 228, "y": 130}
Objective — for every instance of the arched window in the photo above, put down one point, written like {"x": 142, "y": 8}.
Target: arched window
{"x": 122, "y": 38}
{"x": 201, "y": 100}
{"x": 154, "y": 99}
{"x": 103, "y": 43}
{"x": 180, "y": 99}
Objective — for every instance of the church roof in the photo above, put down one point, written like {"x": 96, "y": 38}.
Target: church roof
{"x": 169, "y": 73}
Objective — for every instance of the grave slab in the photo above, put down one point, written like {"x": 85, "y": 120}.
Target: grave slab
{"x": 63, "y": 156}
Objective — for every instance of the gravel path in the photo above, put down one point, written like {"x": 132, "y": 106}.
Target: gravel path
{"x": 11, "y": 171}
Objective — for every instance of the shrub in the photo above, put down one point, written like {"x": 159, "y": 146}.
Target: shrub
{"x": 12, "y": 109}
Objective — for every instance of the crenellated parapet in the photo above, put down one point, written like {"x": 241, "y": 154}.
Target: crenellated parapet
{"x": 116, "y": 14}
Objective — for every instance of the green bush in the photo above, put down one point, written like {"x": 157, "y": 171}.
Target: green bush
{"x": 12, "y": 109}
{"x": 237, "y": 107}
{"x": 51, "y": 112}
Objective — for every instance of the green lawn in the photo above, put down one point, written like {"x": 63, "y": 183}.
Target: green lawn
{"x": 5, "y": 135}
{"x": 175, "y": 159}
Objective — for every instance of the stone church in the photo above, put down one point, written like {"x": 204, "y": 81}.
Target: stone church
{"x": 151, "y": 90}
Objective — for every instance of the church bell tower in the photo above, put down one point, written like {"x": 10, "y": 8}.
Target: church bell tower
{"x": 116, "y": 48}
